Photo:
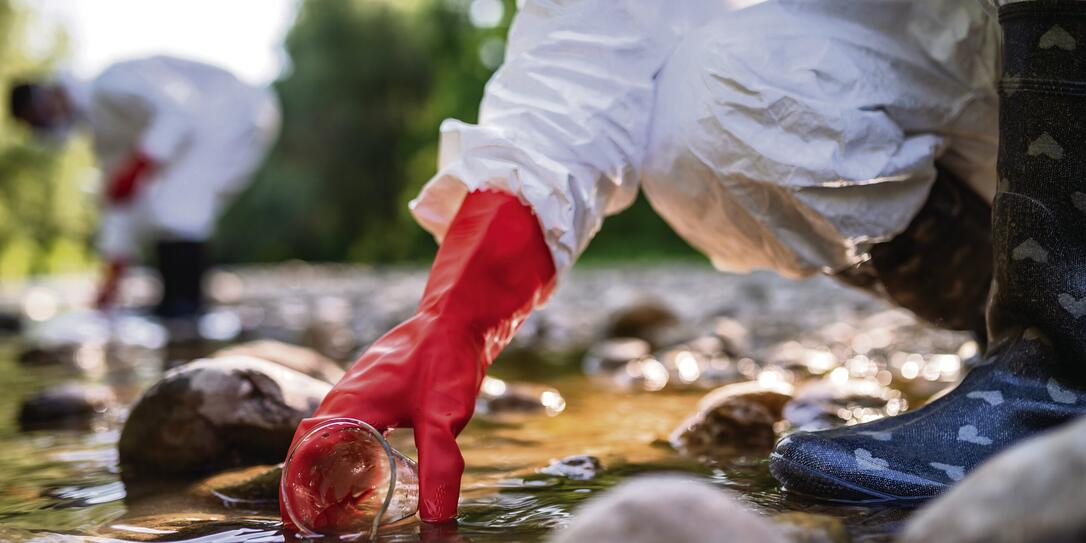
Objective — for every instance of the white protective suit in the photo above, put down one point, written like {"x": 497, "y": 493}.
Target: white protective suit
{"x": 206, "y": 130}
{"x": 790, "y": 135}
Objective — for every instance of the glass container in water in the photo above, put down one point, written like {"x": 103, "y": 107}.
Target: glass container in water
{"x": 343, "y": 478}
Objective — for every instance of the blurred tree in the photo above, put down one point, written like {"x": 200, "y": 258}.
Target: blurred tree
{"x": 45, "y": 219}
{"x": 370, "y": 81}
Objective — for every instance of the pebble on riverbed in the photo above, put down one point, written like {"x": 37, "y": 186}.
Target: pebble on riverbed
{"x": 800, "y": 527}
{"x": 666, "y": 508}
{"x": 580, "y": 467}
{"x": 1033, "y": 492}
{"x": 70, "y": 405}
{"x": 215, "y": 413}
{"x": 734, "y": 418}
{"x": 498, "y": 397}
{"x": 255, "y": 488}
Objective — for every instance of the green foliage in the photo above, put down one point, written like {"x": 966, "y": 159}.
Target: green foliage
{"x": 370, "y": 83}
{"x": 44, "y": 217}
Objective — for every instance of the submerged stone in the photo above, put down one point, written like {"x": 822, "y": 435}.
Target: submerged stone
{"x": 259, "y": 489}
{"x": 70, "y": 405}
{"x": 498, "y": 397}
{"x": 217, "y": 412}
{"x": 733, "y": 419}
{"x": 801, "y": 527}
{"x": 666, "y": 508}
{"x": 581, "y": 467}
{"x": 1031, "y": 493}
{"x": 647, "y": 320}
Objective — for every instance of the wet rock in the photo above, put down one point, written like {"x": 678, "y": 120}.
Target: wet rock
{"x": 333, "y": 339}
{"x": 217, "y": 412}
{"x": 300, "y": 359}
{"x": 34, "y": 355}
{"x": 733, "y": 418}
{"x": 666, "y": 508}
{"x": 611, "y": 355}
{"x": 580, "y": 467}
{"x": 70, "y": 405}
{"x": 1032, "y": 492}
{"x": 801, "y": 527}
{"x": 498, "y": 397}
{"x": 646, "y": 320}
{"x": 257, "y": 488}
{"x": 832, "y": 402}
{"x": 10, "y": 323}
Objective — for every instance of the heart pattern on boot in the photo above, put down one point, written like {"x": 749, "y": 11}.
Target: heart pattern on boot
{"x": 1057, "y": 37}
{"x": 1032, "y": 250}
{"x": 1046, "y": 145}
{"x": 993, "y": 397}
{"x": 970, "y": 434}
{"x": 1074, "y": 306}
{"x": 867, "y": 462}
{"x": 954, "y": 473}
{"x": 1060, "y": 394}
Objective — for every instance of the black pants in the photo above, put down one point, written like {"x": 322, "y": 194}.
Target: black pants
{"x": 940, "y": 267}
{"x": 182, "y": 265}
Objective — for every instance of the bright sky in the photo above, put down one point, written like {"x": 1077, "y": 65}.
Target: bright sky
{"x": 244, "y": 36}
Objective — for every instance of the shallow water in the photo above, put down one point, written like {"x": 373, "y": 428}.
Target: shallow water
{"x": 57, "y": 485}
{"x": 66, "y": 485}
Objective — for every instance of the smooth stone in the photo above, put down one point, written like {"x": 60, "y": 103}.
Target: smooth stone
{"x": 300, "y": 359}
{"x": 70, "y": 405}
{"x": 10, "y": 323}
{"x": 251, "y": 488}
{"x": 1031, "y": 493}
{"x": 613, "y": 354}
{"x": 332, "y": 339}
{"x": 647, "y": 320}
{"x": 498, "y": 397}
{"x": 734, "y": 418}
{"x": 802, "y": 527}
{"x": 215, "y": 413}
{"x": 581, "y": 467}
{"x": 658, "y": 508}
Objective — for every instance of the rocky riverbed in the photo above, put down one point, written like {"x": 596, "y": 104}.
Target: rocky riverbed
{"x": 112, "y": 432}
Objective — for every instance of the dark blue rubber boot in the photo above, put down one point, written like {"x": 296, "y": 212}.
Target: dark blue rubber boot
{"x": 1034, "y": 376}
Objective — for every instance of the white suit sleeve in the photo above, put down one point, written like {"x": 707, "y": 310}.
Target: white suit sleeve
{"x": 564, "y": 121}
{"x": 168, "y": 99}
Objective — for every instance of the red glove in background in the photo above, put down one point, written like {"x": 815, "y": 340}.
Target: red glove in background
{"x": 128, "y": 177}
{"x": 111, "y": 281}
{"x": 492, "y": 269}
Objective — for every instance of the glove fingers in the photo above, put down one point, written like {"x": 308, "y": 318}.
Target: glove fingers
{"x": 440, "y": 468}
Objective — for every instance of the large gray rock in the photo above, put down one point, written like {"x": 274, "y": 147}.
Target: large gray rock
{"x": 666, "y": 508}
{"x": 218, "y": 412}
{"x": 1033, "y": 492}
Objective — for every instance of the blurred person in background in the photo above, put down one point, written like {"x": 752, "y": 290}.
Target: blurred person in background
{"x": 178, "y": 140}
{"x": 852, "y": 138}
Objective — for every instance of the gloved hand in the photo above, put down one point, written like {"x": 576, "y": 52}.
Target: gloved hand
{"x": 111, "y": 281}
{"x": 491, "y": 270}
{"x": 127, "y": 179}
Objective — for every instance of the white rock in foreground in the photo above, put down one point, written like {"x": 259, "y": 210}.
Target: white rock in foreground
{"x": 1033, "y": 492}
{"x": 667, "y": 508}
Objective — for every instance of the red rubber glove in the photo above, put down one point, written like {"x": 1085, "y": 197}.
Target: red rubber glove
{"x": 128, "y": 177}
{"x": 111, "y": 281}
{"x": 492, "y": 269}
